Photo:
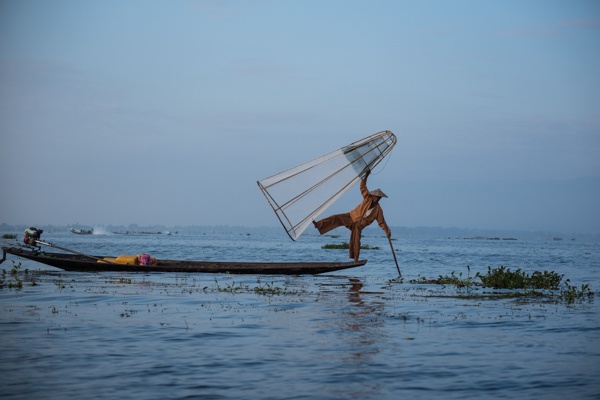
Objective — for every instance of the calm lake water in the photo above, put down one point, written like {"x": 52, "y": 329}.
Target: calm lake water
{"x": 349, "y": 334}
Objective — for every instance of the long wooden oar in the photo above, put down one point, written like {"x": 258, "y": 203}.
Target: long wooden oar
{"x": 72, "y": 251}
{"x": 11, "y": 243}
{"x": 394, "y": 253}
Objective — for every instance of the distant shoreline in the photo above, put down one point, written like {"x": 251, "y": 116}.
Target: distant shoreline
{"x": 374, "y": 230}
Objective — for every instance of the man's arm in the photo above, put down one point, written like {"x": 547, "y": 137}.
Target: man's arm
{"x": 383, "y": 224}
{"x": 363, "y": 184}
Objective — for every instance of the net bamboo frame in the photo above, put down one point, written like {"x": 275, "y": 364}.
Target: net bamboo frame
{"x": 300, "y": 194}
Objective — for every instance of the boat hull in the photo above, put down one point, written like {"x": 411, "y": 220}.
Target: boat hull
{"x": 73, "y": 262}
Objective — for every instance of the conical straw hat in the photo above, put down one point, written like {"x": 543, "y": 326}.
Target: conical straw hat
{"x": 378, "y": 193}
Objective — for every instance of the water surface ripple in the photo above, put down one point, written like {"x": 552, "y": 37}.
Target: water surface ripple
{"x": 350, "y": 334}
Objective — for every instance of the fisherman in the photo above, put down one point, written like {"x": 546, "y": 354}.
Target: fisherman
{"x": 358, "y": 219}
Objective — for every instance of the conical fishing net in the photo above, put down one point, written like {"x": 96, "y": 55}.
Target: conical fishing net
{"x": 300, "y": 194}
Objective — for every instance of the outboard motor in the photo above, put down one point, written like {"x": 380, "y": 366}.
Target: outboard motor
{"x": 31, "y": 235}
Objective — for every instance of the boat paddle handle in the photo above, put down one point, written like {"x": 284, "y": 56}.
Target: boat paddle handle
{"x": 394, "y": 254}
{"x": 72, "y": 251}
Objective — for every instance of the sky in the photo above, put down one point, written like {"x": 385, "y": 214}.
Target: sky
{"x": 168, "y": 112}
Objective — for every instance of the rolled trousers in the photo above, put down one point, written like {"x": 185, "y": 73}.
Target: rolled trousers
{"x": 335, "y": 221}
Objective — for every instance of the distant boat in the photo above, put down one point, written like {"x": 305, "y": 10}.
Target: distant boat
{"x": 82, "y": 231}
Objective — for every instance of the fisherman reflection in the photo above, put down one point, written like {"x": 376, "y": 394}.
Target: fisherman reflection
{"x": 359, "y": 337}
{"x": 354, "y": 292}
{"x": 365, "y": 319}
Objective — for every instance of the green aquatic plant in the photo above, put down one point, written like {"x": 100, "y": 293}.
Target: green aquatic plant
{"x": 268, "y": 289}
{"x": 13, "y": 279}
{"x": 396, "y": 280}
{"x": 11, "y": 284}
{"x": 537, "y": 285}
{"x": 264, "y": 289}
{"x": 15, "y": 268}
{"x": 572, "y": 294}
{"x": 229, "y": 288}
{"x": 346, "y": 245}
{"x": 458, "y": 281}
{"x": 127, "y": 313}
{"x": 451, "y": 279}
{"x": 503, "y": 278}
{"x": 545, "y": 280}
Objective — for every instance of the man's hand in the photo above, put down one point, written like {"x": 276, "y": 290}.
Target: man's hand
{"x": 367, "y": 173}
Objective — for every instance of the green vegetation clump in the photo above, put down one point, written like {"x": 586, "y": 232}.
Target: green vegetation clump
{"x": 452, "y": 279}
{"x": 504, "y": 278}
{"x": 14, "y": 278}
{"x": 268, "y": 290}
{"x": 263, "y": 289}
{"x": 571, "y": 294}
{"x": 9, "y": 236}
{"x": 346, "y": 245}
{"x": 538, "y": 284}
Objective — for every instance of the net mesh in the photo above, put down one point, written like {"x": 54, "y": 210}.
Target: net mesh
{"x": 300, "y": 194}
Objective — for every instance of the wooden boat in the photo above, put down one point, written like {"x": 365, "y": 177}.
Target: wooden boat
{"x": 82, "y": 231}
{"x": 88, "y": 263}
